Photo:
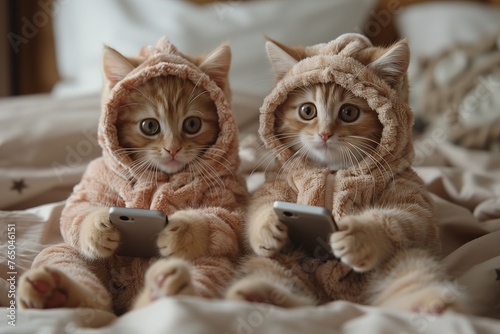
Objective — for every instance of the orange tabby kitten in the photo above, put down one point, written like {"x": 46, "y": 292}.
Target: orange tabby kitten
{"x": 169, "y": 143}
{"x": 328, "y": 140}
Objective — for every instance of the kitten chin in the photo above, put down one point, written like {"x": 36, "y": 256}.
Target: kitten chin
{"x": 172, "y": 166}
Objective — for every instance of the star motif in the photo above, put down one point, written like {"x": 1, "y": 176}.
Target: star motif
{"x": 498, "y": 274}
{"x": 18, "y": 185}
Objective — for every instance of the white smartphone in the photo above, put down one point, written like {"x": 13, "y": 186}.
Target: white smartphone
{"x": 309, "y": 227}
{"x": 139, "y": 229}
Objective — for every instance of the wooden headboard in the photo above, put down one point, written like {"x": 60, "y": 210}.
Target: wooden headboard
{"x": 33, "y": 64}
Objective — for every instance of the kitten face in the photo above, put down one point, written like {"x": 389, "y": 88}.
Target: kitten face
{"x": 328, "y": 125}
{"x": 166, "y": 124}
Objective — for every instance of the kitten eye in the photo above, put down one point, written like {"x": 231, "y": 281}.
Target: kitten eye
{"x": 191, "y": 125}
{"x": 150, "y": 127}
{"x": 349, "y": 113}
{"x": 307, "y": 111}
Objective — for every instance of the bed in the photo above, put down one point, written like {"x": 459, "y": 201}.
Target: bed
{"x": 47, "y": 140}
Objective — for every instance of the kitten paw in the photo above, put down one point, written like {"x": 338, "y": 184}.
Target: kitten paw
{"x": 261, "y": 291}
{"x": 44, "y": 288}
{"x": 166, "y": 277}
{"x": 268, "y": 235}
{"x": 360, "y": 243}
{"x": 186, "y": 236}
{"x": 434, "y": 300}
{"x": 98, "y": 238}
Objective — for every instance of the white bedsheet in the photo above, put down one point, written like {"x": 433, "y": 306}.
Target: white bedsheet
{"x": 191, "y": 315}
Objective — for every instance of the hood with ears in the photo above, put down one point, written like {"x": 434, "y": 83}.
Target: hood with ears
{"x": 161, "y": 60}
{"x": 337, "y": 62}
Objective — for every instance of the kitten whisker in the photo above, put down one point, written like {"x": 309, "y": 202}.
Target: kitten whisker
{"x": 346, "y": 153}
{"x": 196, "y": 97}
{"x": 223, "y": 165}
{"x": 380, "y": 161}
{"x": 216, "y": 177}
{"x": 200, "y": 171}
{"x": 270, "y": 156}
{"x": 369, "y": 150}
{"x": 275, "y": 152}
{"x": 208, "y": 174}
{"x": 369, "y": 156}
{"x": 148, "y": 99}
{"x": 259, "y": 82}
{"x": 358, "y": 163}
{"x": 130, "y": 104}
{"x": 194, "y": 88}
{"x": 294, "y": 161}
{"x": 373, "y": 141}
{"x": 220, "y": 154}
{"x": 125, "y": 151}
{"x": 138, "y": 167}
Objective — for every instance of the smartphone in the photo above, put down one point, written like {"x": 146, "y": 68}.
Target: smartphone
{"x": 309, "y": 227}
{"x": 139, "y": 229}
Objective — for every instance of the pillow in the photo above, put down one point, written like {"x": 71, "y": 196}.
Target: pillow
{"x": 435, "y": 26}
{"x": 454, "y": 72}
{"x": 82, "y": 27}
{"x": 461, "y": 86}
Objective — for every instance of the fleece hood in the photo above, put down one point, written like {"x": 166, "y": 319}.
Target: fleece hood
{"x": 161, "y": 60}
{"x": 335, "y": 62}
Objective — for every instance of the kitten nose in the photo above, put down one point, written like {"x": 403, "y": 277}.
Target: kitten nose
{"x": 173, "y": 151}
{"x": 325, "y": 136}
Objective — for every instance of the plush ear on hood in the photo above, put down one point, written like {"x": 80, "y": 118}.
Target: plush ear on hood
{"x": 216, "y": 65}
{"x": 283, "y": 57}
{"x": 116, "y": 66}
{"x": 393, "y": 64}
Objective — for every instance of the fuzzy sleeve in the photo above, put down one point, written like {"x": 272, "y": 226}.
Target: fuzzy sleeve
{"x": 223, "y": 208}
{"x": 95, "y": 191}
{"x": 408, "y": 213}
{"x": 275, "y": 188}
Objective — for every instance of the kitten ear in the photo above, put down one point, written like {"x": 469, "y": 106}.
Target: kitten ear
{"x": 115, "y": 66}
{"x": 216, "y": 65}
{"x": 281, "y": 59}
{"x": 393, "y": 64}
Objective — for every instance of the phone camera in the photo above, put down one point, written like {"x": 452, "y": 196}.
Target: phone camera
{"x": 124, "y": 218}
{"x": 287, "y": 214}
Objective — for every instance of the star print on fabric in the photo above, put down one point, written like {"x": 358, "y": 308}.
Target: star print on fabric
{"x": 498, "y": 274}
{"x": 18, "y": 185}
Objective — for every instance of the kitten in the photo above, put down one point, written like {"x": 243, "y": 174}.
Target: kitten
{"x": 336, "y": 150}
{"x": 169, "y": 143}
